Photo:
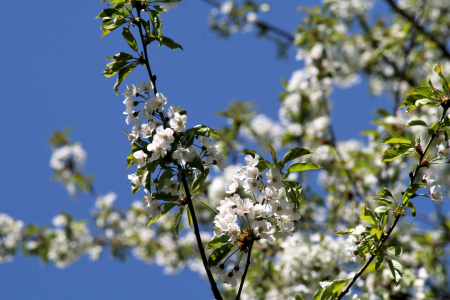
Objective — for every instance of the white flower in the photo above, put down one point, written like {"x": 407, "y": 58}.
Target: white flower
{"x": 260, "y": 211}
{"x": 270, "y": 193}
{"x": 252, "y": 162}
{"x": 359, "y": 229}
{"x": 177, "y": 122}
{"x": 244, "y": 207}
{"x": 134, "y": 135}
{"x": 145, "y": 87}
{"x": 217, "y": 270}
{"x": 140, "y": 158}
{"x": 135, "y": 179}
{"x": 60, "y": 221}
{"x": 429, "y": 181}
{"x": 351, "y": 247}
{"x": 218, "y": 159}
{"x": 232, "y": 187}
{"x": 263, "y": 230}
{"x": 157, "y": 149}
{"x": 252, "y": 17}
{"x": 154, "y": 208}
{"x": 183, "y": 155}
{"x": 170, "y": 186}
{"x": 204, "y": 141}
{"x": 324, "y": 283}
{"x": 157, "y": 103}
{"x": 144, "y": 113}
{"x": 275, "y": 179}
{"x": 147, "y": 129}
{"x": 129, "y": 103}
{"x": 172, "y": 110}
{"x": 435, "y": 194}
{"x": 234, "y": 231}
{"x": 131, "y": 91}
{"x": 230, "y": 279}
{"x": 164, "y": 137}
{"x": 443, "y": 150}
{"x": 251, "y": 186}
{"x": 285, "y": 223}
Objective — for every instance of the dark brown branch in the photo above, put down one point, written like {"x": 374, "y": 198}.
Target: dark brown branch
{"x": 247, "y": 265}
{"x": 384, "y": 239}
{"x": 419, "y": 27}
{"x": 201, "y": 249}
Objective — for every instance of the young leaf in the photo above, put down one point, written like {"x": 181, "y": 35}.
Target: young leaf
{"x": 396, "y": 250}
{"x": 219, "y": 254}
{"x": 396, "y": 269}
{"x": 199, "y": 180}
{"x": 376, "y": 232}
{"x": 176, "y": 224}
{"x": 169, "y": 43}
{"x": 123, "y": 73}
{"x": 396, "y": 139}
{"x": 416, "y": 122}
{"x": 384, "y": 201}
{"x": 410, "y": 191}
{"x": 166, "y": 208}
{"x": 345, "y": 231}
{"x": 128, "y": 36}
{"x": 396, "y": 151}
{"x": 273, "y": 153}
{"x": 386, "y": 192}
{"x": 410, "y": 204}
{"x": 380, "y": 258}
{"x": 294, "y": 153}
{"x": 217, "y": 241}
{"x": 207, "y": 206}
{"x": 367, "y": 215}
{"x": 302, "y": 166}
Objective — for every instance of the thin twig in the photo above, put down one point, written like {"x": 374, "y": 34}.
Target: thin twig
{"x": 421, "y": 28}
{"x": 261, "y": 24}
{"x": 384, "y": 239}
{"x": 247, "y": 265}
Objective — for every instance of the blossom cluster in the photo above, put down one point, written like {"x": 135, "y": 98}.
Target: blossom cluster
{"x": 435, "y": 189}
{"x": 353, "y": 240}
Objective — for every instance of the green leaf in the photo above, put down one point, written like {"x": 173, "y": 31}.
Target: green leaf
{"x": 384, "y": 201}
{"x": 334, "y": 289}
{"x": 128, "y": 36}
{"x": 434, "y": 127}
{"x": 122, "y": 56}
{"x": 165, "y": 197}
{"x": 219, "y": 254}
{"x": 123, "y": 73}
{"x": 160, "y": 8}
{"x": 166, "y": 208}
{"x": 156, "y": 24}
{"x": 294, "y": 153}
{"x": 396, "y": 250}
{"x": 252, "y": 153}
{"x": 176, "y": 224}
{"x": 380, "y": 258}
{"x": 166, "y": 175}
{"x": 293, "y": 192}
{"x": 110, "y": 13}
{"x": 207, "y": 206}
{"x": 386, "y": 192}
{"x": 345, "y": 231}
{"x": 413, "y": 208}
{"x": 376, "y": 232}
{"x": 367, "y": 215}
{"x": 381, "y": 210}
{"x": 396, "y": 139}
{"x": 410, "y": 192}
{"x": 396, "y": 269}
{"x": 217, "y": 241}
{"x": 197, "y": 163}
{"x": 397, "y": 151}
{"x": 437, "y": 69}
{"x": 298, "y": 297}
{"x": 302, "y": 166}
{"x": 191, "y": 222}
{"x": 198, "y": 181}
{"x": 109, "y": 27}
{"x": 169, "y": 43}
{"x": 113, "y": 67}
{"x": 416, "y": 122}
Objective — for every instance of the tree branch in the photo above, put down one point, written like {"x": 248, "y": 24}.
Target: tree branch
{"x": 419, "y": 27}
{"x": 214, "y": 288}
{"x": 261, "y": 24}
{"x": 384, "y": 239}
{"x": 247, "y": 265}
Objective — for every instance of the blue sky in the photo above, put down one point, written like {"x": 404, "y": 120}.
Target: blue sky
{"x": 52, "y": 59}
